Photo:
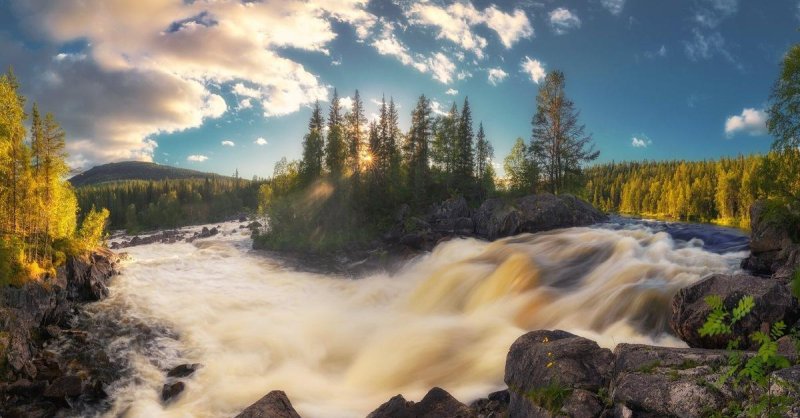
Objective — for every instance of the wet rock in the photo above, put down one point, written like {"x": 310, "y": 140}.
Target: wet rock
{"x": 663, "y": 381}
{"x": 436, "y": 403}
{"x": 772, "y": 250}
{"x": 493, "y": 406}
{"x": 26, "y": 388}
{"x": 63, "y": 387}
{"x": 495, "y": 218}
{"x": 171, "y": 390}
{"x": 787, "y": 347}
{"x": 541, "y": 363}
{"x": 183, "y": 370}
{"x": 254, "y": 225}
{"x": 544, "y": 212}
{"x": 274, "y": 405}
{"x": 773, "y": 303}
{"x": 207, "y": 233}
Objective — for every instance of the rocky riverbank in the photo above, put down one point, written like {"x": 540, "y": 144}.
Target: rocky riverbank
{"x": 552, "y": 373}
{"x": 37, "y": 377}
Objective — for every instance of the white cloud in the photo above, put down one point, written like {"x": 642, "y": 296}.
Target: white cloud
{"x": 455, "y": 23}
{"x": 642, "y": 142}
{"x": 245, "y": 104}
{"x": 260, "y": 141}
{"x": 750, "y": 121}
{"x": 706, "y": 45}
{"x": 441, "y": 67}
{"x": 613, "y": 6}
{"x": 336, "y": 62}
{"x": 534, "y": 69}
{"x": 346, "y": 103}
{"x": 463, "y": 74}
{"x": 509, "y": 27}
{"x": 228, "y": 143}
{"x": 496, "y": 75}
{"x": 148, "y": 51}
{"x": 437, "y": 108}
{"x": 451, "y": 92}
{"x": 197, "y": 158}
{"x": 562, "y": 21}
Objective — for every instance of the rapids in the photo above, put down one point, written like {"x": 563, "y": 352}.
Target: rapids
{"x": 340, "y": 347}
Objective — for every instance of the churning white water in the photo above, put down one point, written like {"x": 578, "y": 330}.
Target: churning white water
{"x": 340, "y": 347}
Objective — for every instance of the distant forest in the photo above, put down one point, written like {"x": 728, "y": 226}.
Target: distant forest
{"x": 142, "y": 205}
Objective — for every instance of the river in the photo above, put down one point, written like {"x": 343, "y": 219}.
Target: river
{"x": 340, "y": 347}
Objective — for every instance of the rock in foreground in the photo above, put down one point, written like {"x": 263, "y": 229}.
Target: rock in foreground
{"x": 274, "y": 405}
{"x": 437, "y": 403}
{"x": 773, "y": 303}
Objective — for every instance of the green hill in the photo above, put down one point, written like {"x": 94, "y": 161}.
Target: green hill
{"x": 135, "y": 170}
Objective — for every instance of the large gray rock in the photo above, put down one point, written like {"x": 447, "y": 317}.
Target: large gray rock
{"x": 773, "y": 303}
{"x": 541, "y": 363}
{"x": 497, "y": 218}
{"x": 436, "y": 403}
{"x": 772, "y": 250}
{"x": 662, "y": 381}
{"x": 274, "y": 405}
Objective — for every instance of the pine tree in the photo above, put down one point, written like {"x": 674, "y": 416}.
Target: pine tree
{"x": 335, "y": 152}
{"x": 356, "y": 123}
{"x": 313, "y": 143}
{"x": 559, "y": 142}
{"x": 416, "y": 149}
{"x": 484, "y": 153}
{"x": 464, "y": 157}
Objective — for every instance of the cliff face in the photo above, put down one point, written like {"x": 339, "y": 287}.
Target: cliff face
{"x": 35, "y": 381}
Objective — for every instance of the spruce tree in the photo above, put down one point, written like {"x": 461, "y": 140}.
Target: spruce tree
{"x": 313, "y": 143}
{"x": 335, "y": 152}
{"x": 416, "y": 149}
{"x": 356, "y": 122}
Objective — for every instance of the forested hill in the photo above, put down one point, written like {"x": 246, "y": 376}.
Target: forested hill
{"x": 136, "y": 170}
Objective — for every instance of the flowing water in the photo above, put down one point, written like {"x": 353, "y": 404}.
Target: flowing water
{"x": 340, "y": 347}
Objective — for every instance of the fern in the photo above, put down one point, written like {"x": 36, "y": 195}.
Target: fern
{"x": 745, "y": 305}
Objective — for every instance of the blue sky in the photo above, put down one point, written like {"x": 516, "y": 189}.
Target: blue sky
{"x": 197, "y": 84}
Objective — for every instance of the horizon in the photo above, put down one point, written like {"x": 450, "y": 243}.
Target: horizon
{"x": 221, "y": 87}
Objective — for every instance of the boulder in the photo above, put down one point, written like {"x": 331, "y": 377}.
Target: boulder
{"x": 455, "y": 207}
{"x": 772, "y": 249}
{"x": 183, "y": 370}
{"x": 544, "y": 212}
{"x": 773, "y": 303}
{"x": 274, "y": 405}
{"x": 496, "y": 219}
{"x": 664, "y": 381}
{"x": 436, "y": 403}
{"x": 493, "y": 406}
{"x": 63, "y": 387}
{"x": 171, "y": 390}
{"x": 545, "y": 370}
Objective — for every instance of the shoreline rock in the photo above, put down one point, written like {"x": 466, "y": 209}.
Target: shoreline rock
{"x": 35, "y": 380}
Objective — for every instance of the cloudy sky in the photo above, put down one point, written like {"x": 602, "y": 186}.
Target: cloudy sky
{"x": 225, "y": 85}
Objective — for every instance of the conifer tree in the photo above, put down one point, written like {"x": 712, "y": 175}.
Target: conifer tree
{"x": 335, "y": 151}
{"x": 356, "y": 123}
{"x": 464, "y": 157}
{"x": 416, "y": 149}
{"x": 559, "y": 141}
{"x": 484, "y": 153}
{"x": 313, "y": 143}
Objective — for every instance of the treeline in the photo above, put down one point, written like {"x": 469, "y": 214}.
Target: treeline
{"x": 707, "y": 191}
{"x": 141, "y": 205}
{"x": 354, "y": 175}
{"x": 38, "y": 208}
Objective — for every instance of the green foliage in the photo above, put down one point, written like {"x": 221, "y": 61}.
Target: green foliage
{"x": 550, "y": 397}
{"x": 92, "y": 232}
{"x": 795, "y": 284}
{"x": 751, "y": 370}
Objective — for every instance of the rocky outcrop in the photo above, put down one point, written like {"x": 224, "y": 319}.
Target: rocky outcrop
{"x": 495, "y": 218}
{"x": 437, "y": 403}
{"x": 274, "y": 405}
{"x": 555, "y": 372}
{"x": 773, "y": 247}
{"x": 773, "y": 303}
{"x": 38, "y": 381}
